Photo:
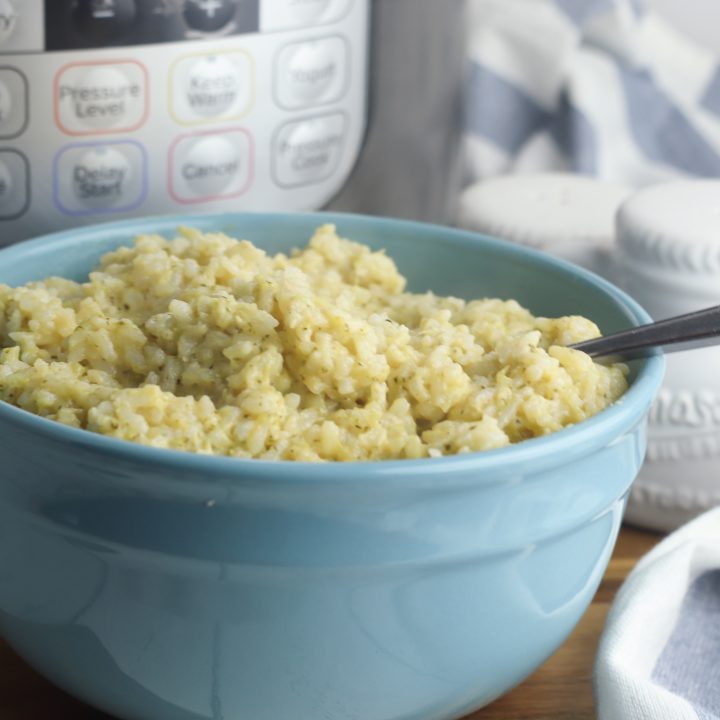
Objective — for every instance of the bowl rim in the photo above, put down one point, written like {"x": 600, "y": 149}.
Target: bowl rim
{"x": 557, "y": 448}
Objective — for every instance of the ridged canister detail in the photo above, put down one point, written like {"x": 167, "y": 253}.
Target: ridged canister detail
{"x": 673, "y": 226}
{"x": 668, "y": 239}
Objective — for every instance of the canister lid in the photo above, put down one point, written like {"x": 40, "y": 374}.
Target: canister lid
{"x": 673, "y": 226}
{"x": 545, "y": 210}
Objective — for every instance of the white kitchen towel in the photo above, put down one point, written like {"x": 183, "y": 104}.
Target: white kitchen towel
{"x": 659, "y": 654}
{"x": 601, "y": 87}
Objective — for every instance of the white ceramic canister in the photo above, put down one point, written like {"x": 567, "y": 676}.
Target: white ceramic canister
{"x": 668, "y": 258}
{"x": 564, "y": 214}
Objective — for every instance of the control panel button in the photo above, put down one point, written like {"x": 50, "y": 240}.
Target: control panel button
{"x": 94, "y": 178}
{"x": 6, "y": 103}
{"x": 209, "y": 88}
{"x": 209, "y": 15}
{"x": 101, "y": 98}
{"x": 210, "y": 166}
{"x": 104, "y": 20}
{"x": 14, "y": 184}
{"x": 8, "y": 20}
{"x": 6, "y": 183}
{"x": 311, "y": 73}
{"x": 309, "y": 150}
{"x": 13, "y": 103}
{"x": 289, "y": 14}
{"x": 101, "y": 176}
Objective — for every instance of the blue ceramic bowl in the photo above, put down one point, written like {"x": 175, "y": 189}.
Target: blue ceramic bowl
{"x": 160, "y": 585}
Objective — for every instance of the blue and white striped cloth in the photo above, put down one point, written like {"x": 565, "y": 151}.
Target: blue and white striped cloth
{"x": 601, "y": 87}
{"x": 659, "y": 656}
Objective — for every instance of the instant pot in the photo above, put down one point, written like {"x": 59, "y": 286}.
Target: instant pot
{"x": 119, "y": 108}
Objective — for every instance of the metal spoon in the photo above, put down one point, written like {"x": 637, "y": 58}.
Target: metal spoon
{"x": 683, "y": 332}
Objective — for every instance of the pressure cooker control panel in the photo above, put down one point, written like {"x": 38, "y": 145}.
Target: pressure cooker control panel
{"x": 117, "y": 108}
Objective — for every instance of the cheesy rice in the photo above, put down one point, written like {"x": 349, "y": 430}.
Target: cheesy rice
{"x": 206, "y": 343}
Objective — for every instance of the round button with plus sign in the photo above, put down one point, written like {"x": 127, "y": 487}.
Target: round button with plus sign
{"x": 209, "y": 15}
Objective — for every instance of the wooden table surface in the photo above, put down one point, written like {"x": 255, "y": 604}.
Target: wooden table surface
{"x": 559, "y": 690}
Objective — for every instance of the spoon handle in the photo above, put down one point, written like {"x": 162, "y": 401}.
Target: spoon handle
{"x": 702, "y": 325}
